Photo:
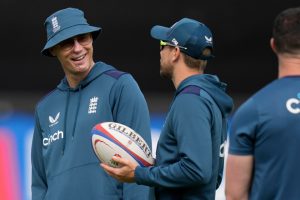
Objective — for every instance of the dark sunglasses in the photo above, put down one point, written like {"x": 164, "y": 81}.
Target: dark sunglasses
{"x": 83, "y": 40}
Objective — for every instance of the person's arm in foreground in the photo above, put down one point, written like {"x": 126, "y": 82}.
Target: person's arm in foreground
{"x": 240, "y": 162}
{"x": 238, "y": 176}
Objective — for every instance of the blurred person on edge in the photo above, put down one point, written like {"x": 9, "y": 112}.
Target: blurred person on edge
{"x": 264, "y": 143}
{"x": 64, "y": 165}
{"x": 190, "y": 150}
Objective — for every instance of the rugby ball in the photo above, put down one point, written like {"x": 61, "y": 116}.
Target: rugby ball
{"x": 114, "y": 139}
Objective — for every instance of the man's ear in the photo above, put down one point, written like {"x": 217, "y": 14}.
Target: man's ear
{"x": 272, "y": 44}
{"x": 175, "y": 54}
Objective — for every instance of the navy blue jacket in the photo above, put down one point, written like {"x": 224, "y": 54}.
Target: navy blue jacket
{"x": 64, "y": 165}
{"x": 189, "y": 163}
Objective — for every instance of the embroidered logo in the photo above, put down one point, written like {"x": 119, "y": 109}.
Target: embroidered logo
{"x": 174, "y": 41}
{"x": 293, "y": 105}
{"x": 55, "y": 26}
{"x": 93, "y": 105}
{"x": 52, "y": 120}
{"x": 208, "y": 39}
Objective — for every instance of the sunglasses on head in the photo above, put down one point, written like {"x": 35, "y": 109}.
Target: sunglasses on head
{"x": 163, "y": 44}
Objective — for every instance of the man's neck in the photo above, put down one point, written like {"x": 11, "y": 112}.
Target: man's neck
{"x": 183, "y": 72}
{"x": 289, "y": 65}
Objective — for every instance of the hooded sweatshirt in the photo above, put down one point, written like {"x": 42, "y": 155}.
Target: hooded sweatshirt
{"x": 64, "y": 165}
{"x": 190, "y": 157}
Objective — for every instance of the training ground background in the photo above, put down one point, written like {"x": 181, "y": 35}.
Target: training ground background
{"x": 244, "y": 60}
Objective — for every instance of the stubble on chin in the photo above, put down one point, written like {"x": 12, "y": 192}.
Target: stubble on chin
{"x": 166, "y": 71}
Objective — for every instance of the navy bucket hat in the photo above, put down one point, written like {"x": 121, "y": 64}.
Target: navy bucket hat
{"x": 64, "y": 24}
{"x": 191, "y": 34}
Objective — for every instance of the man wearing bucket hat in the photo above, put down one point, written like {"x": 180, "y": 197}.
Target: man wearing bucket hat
{"x": 64, "y": 165}
{"x": 189, "y": 160}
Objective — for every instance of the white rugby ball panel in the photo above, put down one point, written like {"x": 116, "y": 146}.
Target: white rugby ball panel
{"x": 111, "y": 138}
{"x": 105, "y": 150}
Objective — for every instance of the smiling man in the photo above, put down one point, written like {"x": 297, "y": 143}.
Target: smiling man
{"x": 64, "y": 165}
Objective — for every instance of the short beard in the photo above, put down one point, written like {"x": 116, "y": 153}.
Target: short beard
{"x": 167, "y": 72}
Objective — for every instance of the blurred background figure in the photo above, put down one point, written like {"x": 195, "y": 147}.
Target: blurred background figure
{"x": 263, "y": 161}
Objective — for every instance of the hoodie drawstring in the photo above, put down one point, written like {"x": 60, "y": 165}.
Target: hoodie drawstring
{"x": 65, "y": 121}
{"x": 65, "y": 118}
{"x": 76, "y": 114}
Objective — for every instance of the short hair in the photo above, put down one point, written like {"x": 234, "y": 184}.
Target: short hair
{"x": 286, "y": 31}
{"x": 194, "y": 63}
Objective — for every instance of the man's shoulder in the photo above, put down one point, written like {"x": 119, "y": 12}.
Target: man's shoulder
{"x": 114, "y": 73}
{"x": 264, "y": 99}
{"x": 191, "y": 98}
{"x": 273, "y": 90}
{"x": 48, "y": 98}
{"x": 193, "y": 93}
{"x": 109, "y": 70}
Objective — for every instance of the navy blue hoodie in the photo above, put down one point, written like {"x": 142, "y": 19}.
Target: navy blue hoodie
{"x": 190, "y": 157}
{"x": 64, "y": 165}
